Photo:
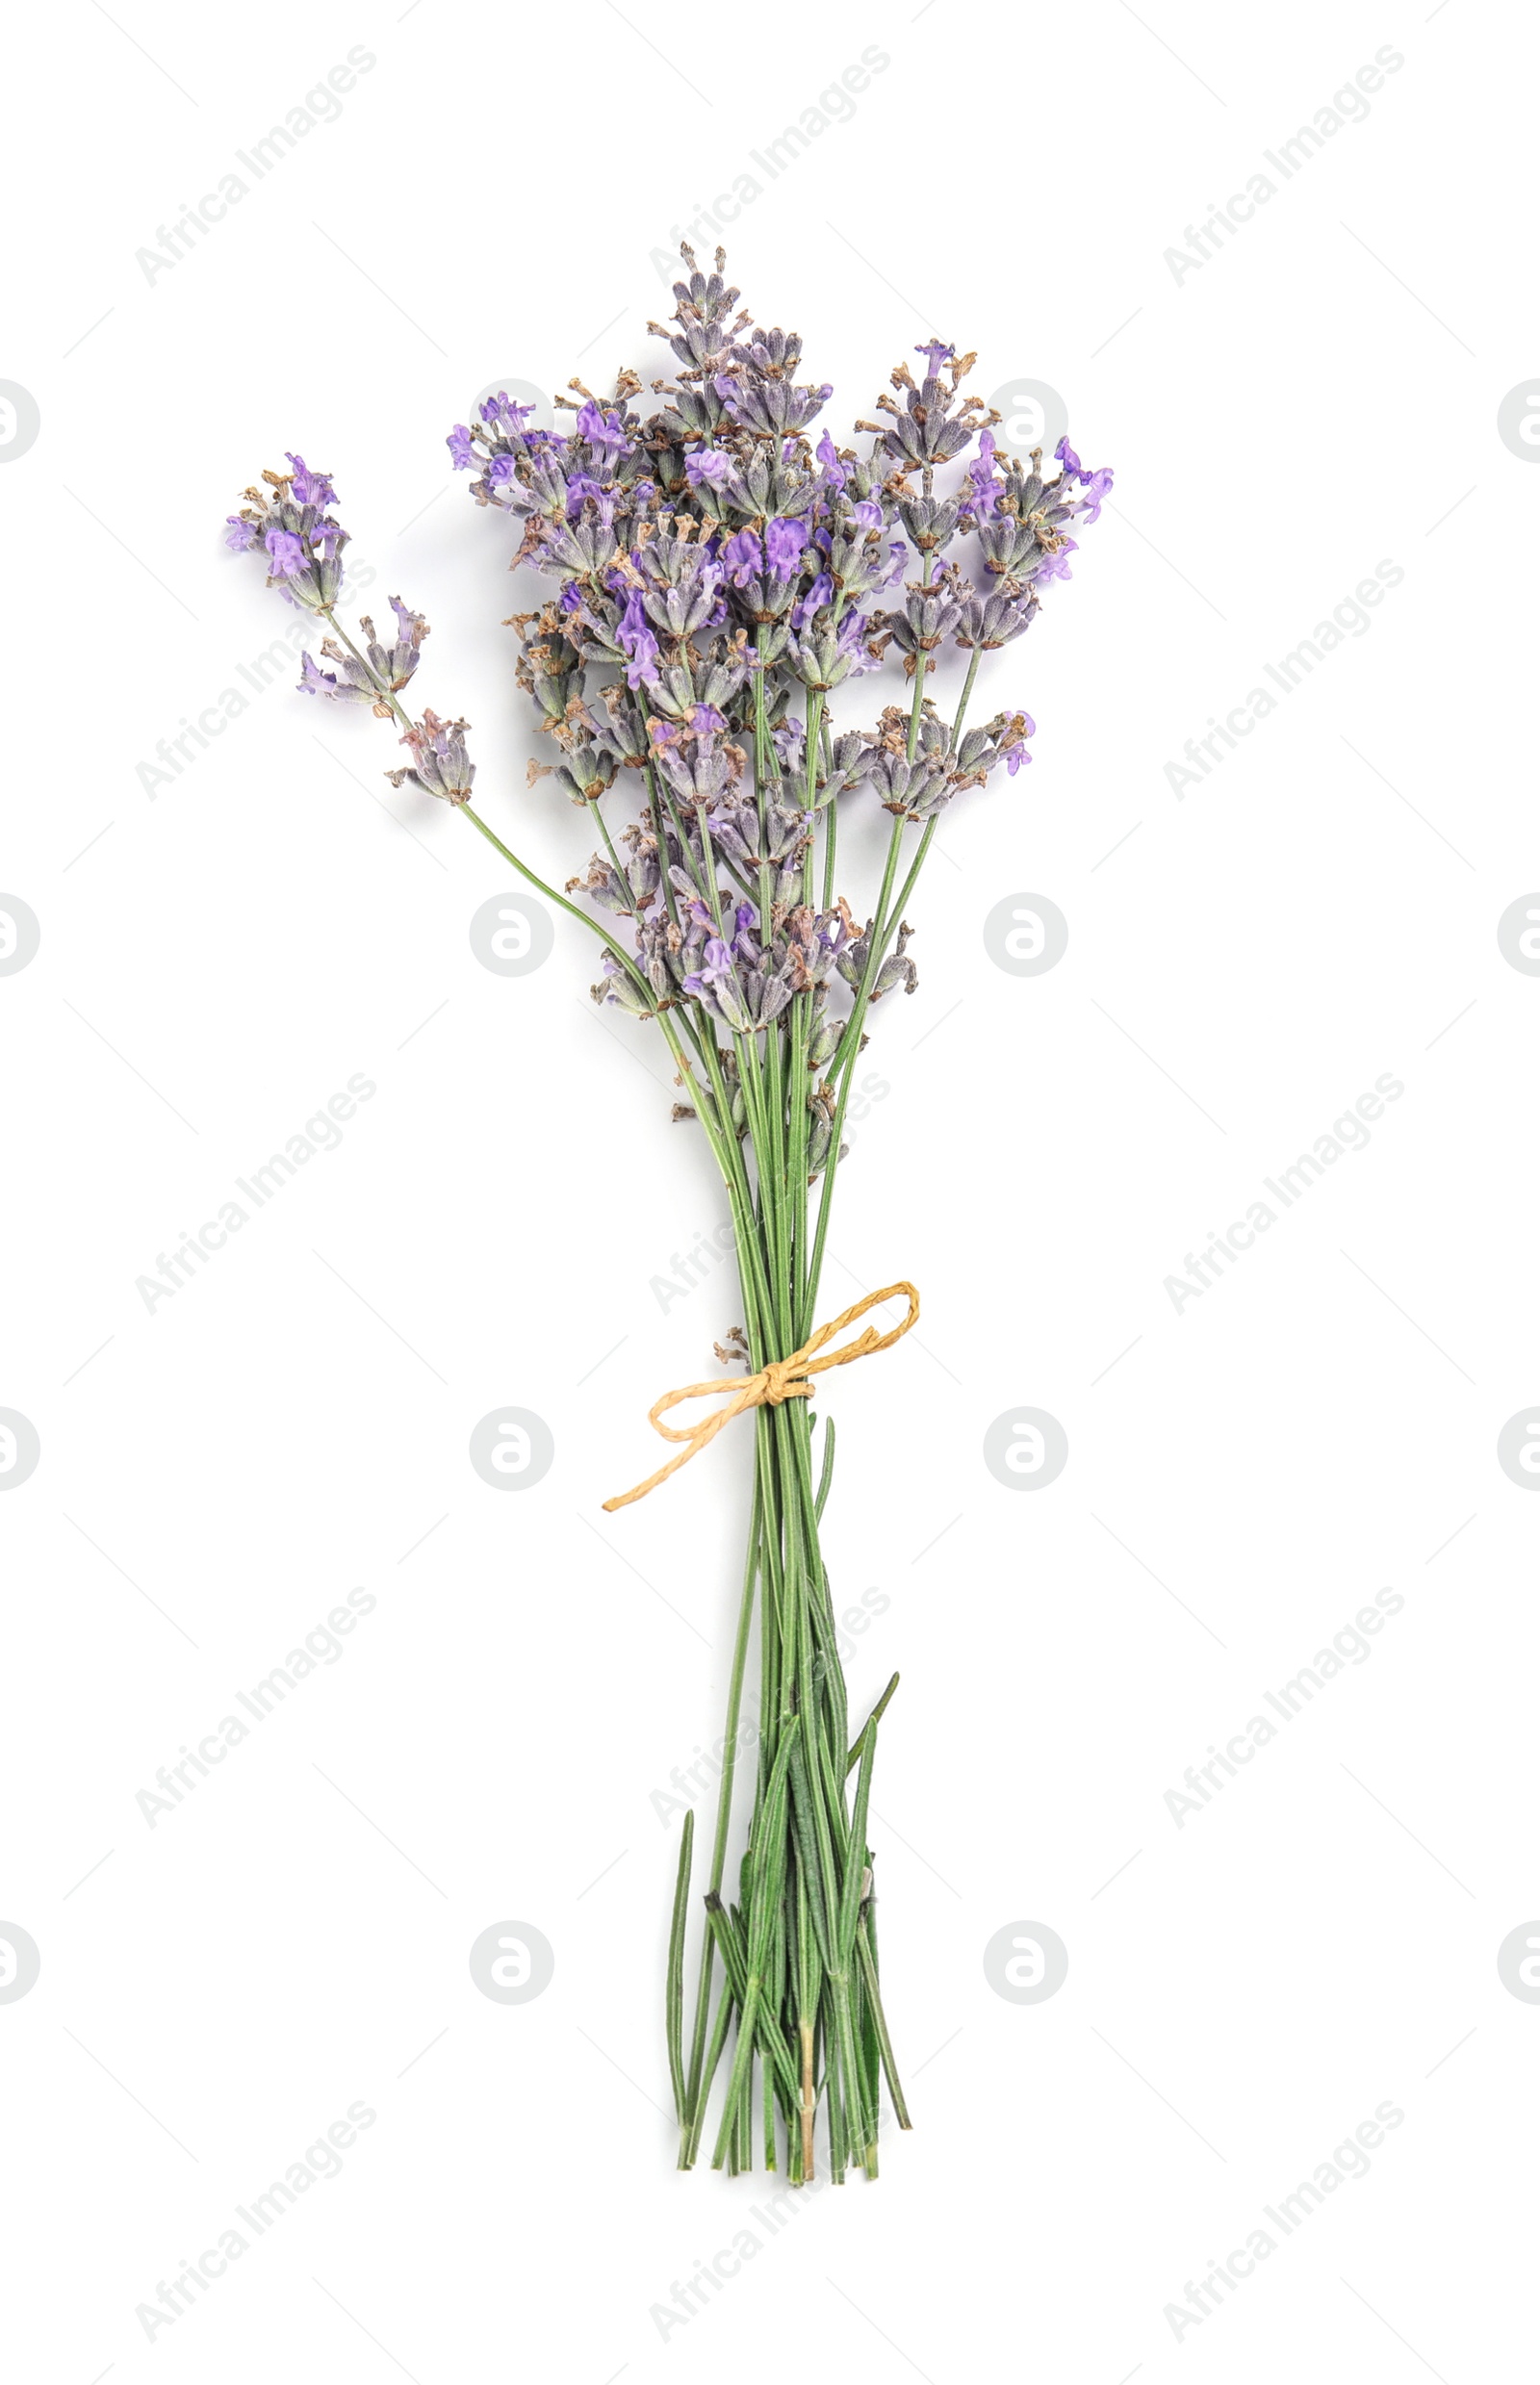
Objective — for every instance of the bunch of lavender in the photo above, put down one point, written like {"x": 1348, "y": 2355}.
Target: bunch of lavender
{"x": 716, "y": 579}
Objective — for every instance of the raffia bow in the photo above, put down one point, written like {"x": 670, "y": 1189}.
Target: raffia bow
{"x": 784, "y": 1378}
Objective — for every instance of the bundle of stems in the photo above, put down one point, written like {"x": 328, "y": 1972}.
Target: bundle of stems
{"x": 713, "y": 570}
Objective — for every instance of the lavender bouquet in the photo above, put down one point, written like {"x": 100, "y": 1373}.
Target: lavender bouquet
{"x": 717, "y": 581}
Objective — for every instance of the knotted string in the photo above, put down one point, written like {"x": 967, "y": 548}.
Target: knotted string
{"x": 784, "y": 1378}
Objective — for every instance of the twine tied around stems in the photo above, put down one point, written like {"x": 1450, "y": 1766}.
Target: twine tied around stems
{"x": 784, "y": 1378}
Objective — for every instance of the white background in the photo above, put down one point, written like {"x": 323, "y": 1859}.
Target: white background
{"x": 222, "y": 949}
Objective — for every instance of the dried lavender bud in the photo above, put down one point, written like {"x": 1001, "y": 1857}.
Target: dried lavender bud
{"x": 382, "y": 670}
{"x": 823, "y": 1043}
{"x": 895, "y": 969}
{"x": 930, "y": 521}
{"x": 853, "y": 758}
{"x": 439, "y": 764}
{"x": 931, "y": 613}
{"x": 995, "y": 619}
{"x": 925, "y": 429}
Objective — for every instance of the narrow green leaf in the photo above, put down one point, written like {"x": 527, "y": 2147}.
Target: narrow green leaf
{"x": 676, "y": 1970}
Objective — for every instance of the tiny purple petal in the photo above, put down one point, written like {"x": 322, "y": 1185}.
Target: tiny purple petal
{"x": 820, "y": 594}
{"x": 311, "y": 488}
{"x": 286, "y": 554}
{"x": 1095, "y": 485}
{"x": 743, "y": 556}
{"x": 784, "y": 543}
{"x": 601, "y": 431}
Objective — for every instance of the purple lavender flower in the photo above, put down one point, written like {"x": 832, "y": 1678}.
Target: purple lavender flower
{"x": 637, "y": 643}
{"x": 286, "y": 554}
{"x": 580, "y": 485}
{"x": 784, "y": 543}
{"x": 709, "y": 465}
{"x": 601, "y": 431}
{"x": 311, "y": 488}
{"x": 819, "y": 594}
{"x": 314, "y": 682}
{"x": 1055, "y": 566}
{"x": 500, "y": 412}
{"x": 462, "y": 454}
{"x": 982, "y": 491}
{"x": 937, "y": 354}
{"x": 834, "y": 473}
{"x": 1095, "y": 484}
{"x": 743, "y": 557}
{"x": 240, "y": 534}
{"x": 715, "y": 969}
{"x": 1015, "y": 753}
